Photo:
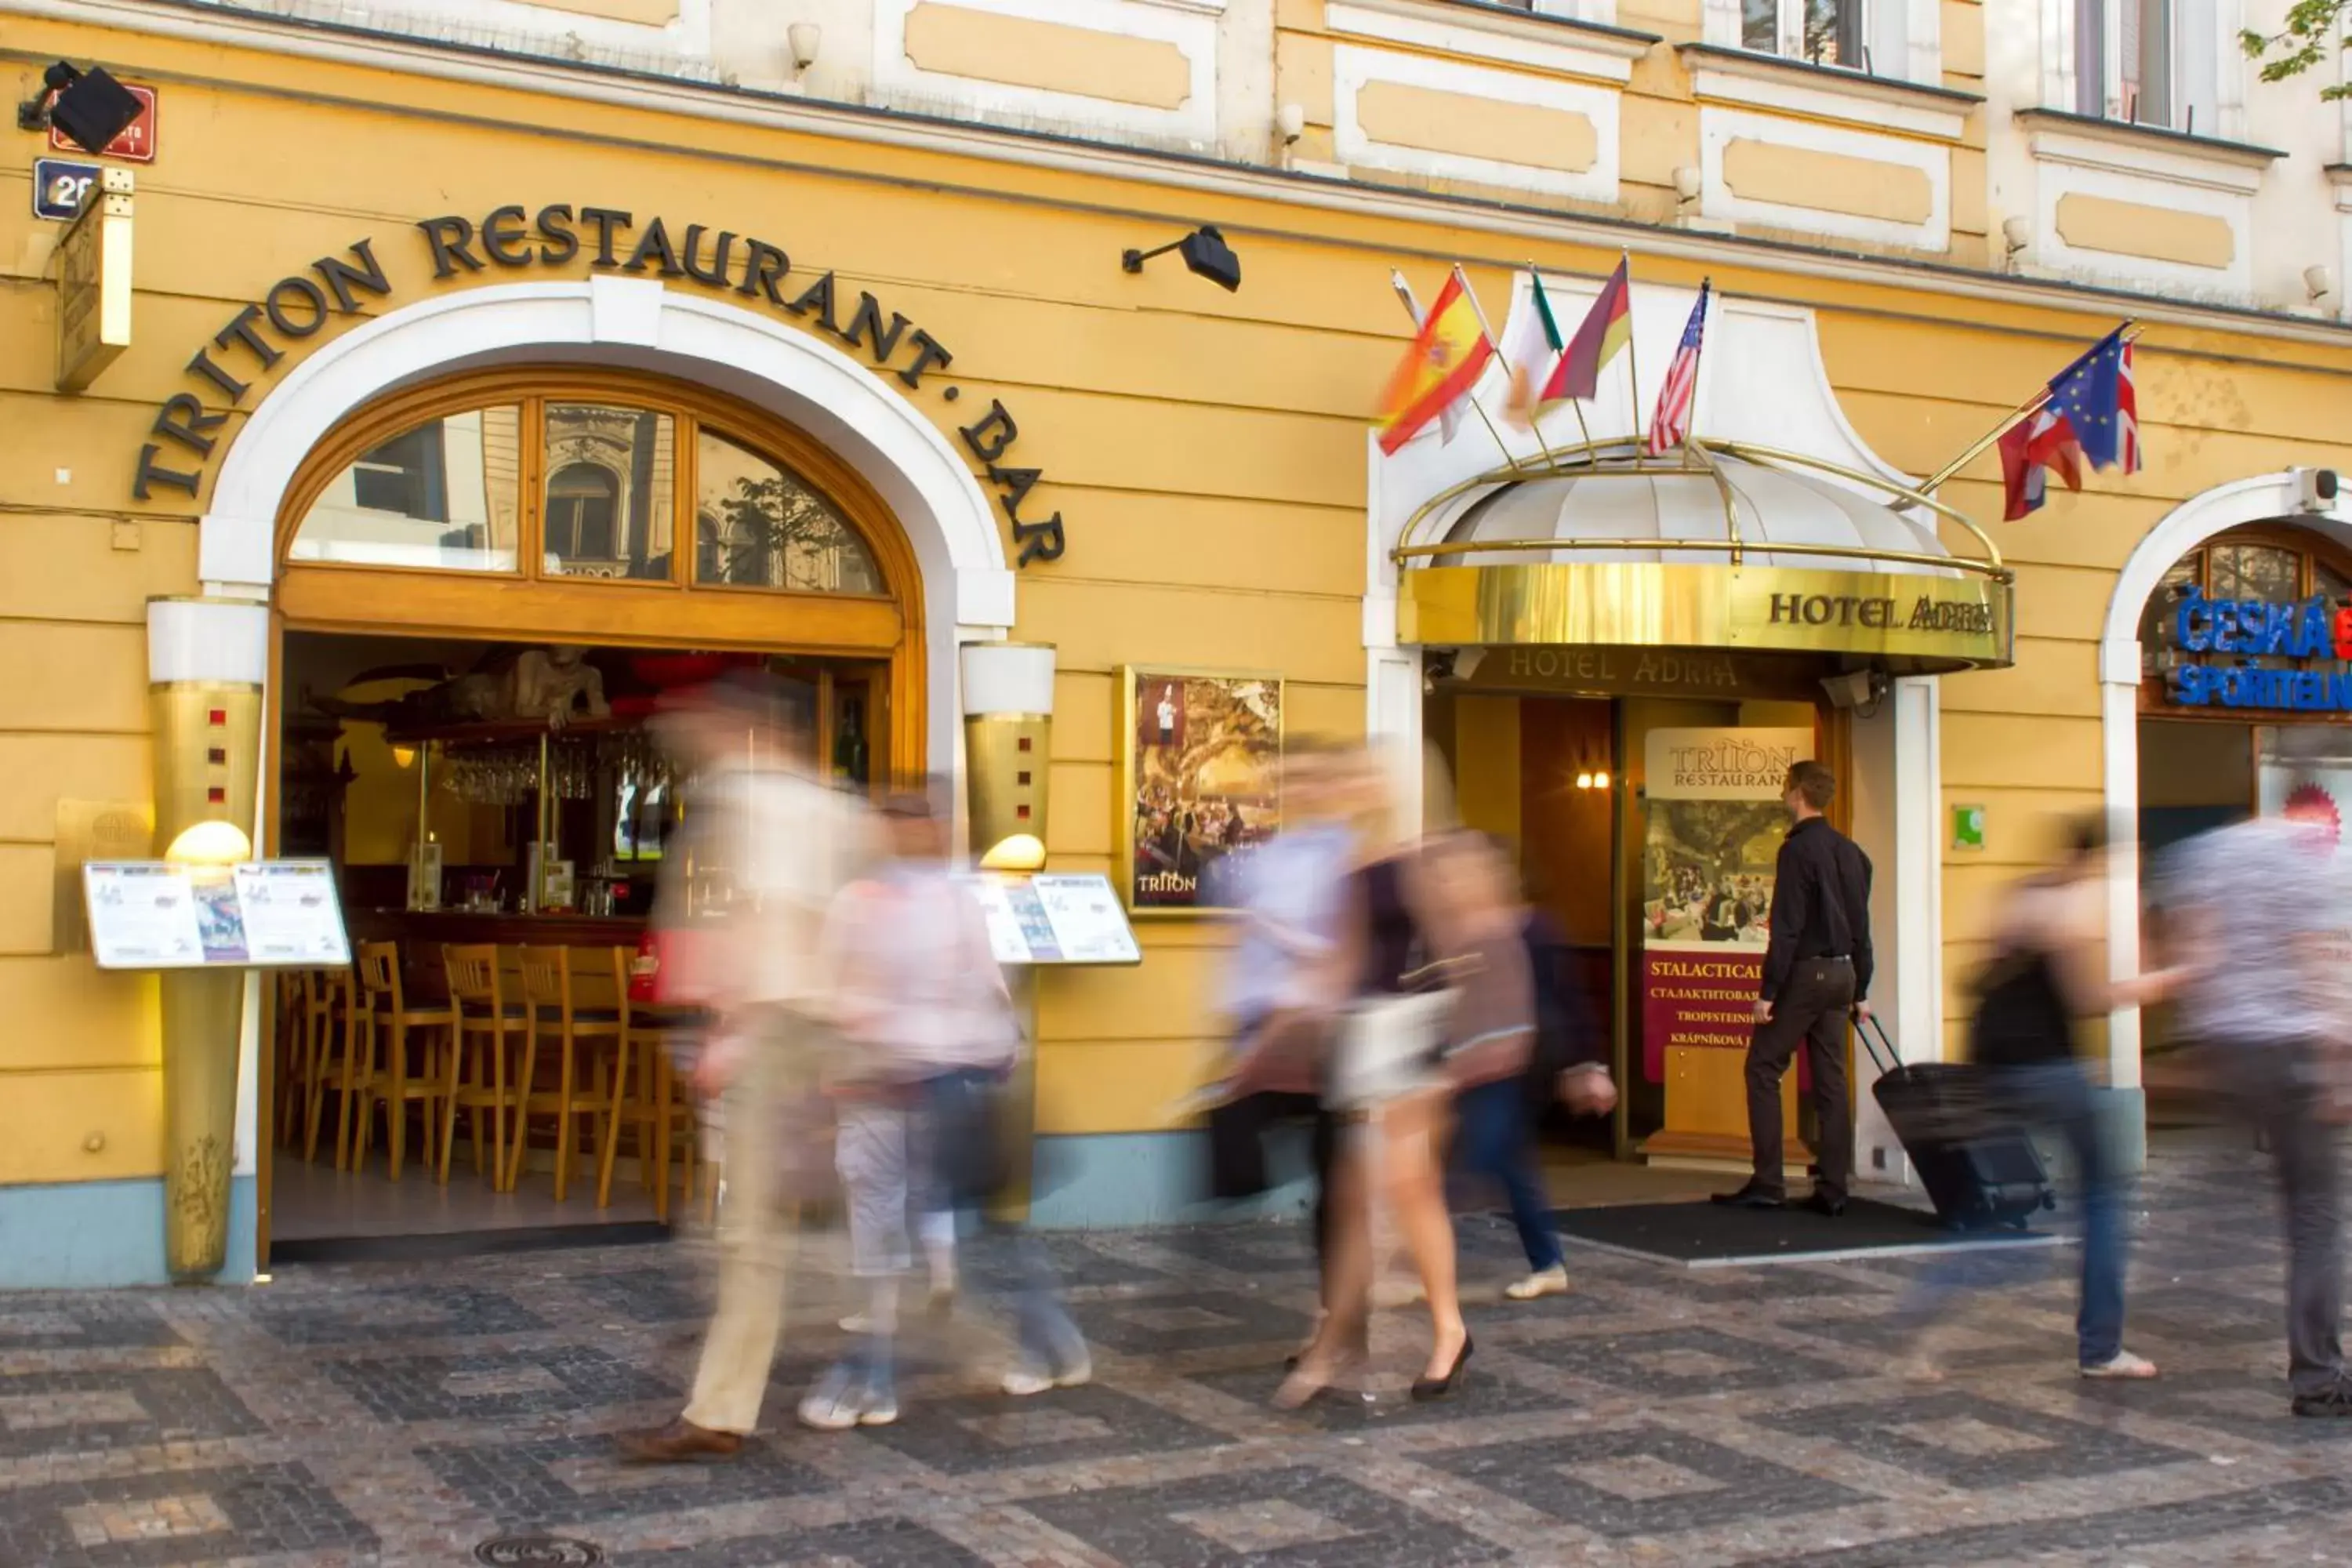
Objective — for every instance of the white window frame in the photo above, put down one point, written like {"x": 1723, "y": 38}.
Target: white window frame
{"x": 1903, "y": 39}
{"x": 2202, "y": 30}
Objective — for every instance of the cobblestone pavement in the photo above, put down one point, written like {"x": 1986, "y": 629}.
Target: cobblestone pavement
{"x": 383, "y": 1414}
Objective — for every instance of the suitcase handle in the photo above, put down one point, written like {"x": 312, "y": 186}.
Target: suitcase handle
{"x": 1893, "y": 1058}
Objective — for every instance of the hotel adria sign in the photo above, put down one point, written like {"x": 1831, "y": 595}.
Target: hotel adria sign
{"x": 297, "y": 307}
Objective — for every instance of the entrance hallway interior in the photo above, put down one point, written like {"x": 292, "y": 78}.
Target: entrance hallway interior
{"x": 1561, "y": 780}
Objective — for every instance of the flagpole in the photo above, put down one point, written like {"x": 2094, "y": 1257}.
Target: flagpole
{"x": 1535, "y": 410}
{"x": 1690, "y": 426}
{"x": 1633, "y": 356}
{"x": 2009, "y": 421}
{"x": 1470, "y": 394}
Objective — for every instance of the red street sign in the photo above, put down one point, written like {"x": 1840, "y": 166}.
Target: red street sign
{"x": 137, "y": 142}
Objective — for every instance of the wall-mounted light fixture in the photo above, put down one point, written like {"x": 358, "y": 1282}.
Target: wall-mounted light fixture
{"x": 805, "y": 38}
{"x": 1205, "y": 253}
{"x": 90, "y": 107}
{"x": 1592, "y": 778}
{"x": 1008, "y": 729}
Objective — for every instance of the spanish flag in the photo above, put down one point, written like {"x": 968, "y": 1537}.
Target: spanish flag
{"x": 1607, "y": 328}
{"x": 1444, "y": 363}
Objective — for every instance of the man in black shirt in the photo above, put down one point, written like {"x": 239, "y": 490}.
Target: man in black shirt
{"x": 1816, "y": 976}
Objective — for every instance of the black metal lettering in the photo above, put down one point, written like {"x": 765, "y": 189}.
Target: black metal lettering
{"x": 189, "y": 429}
{"x": 203, "y": 366}
{"x": 1017, "y": 484}
{"x": 763, "y": 265}
{"x": 505, "y": 239}
{"x": 451, "y": 238}
{"x": 992, "y": 435}
{"x": 1817, "y": 611}
{"x": 655, "y": 241}
{"x": 817, "y": 297}
{"x": 151, "y": 471}
{"x": 308, "y": 292}
{"x": 929, "y": 356}
{"x": 241, "y": 328}
{"x": 867, "y": 323}
{"x": 1786, "y": 607}
{"x": 1040, "y": 540}
{"x": 341, "y": 277}
{"x": 716, "y": 274}
{"x": 559, "y": 242}
{"x": 604, "y": 220}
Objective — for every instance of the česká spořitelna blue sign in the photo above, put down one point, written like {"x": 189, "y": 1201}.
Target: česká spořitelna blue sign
{"x": 2249, "y": 629}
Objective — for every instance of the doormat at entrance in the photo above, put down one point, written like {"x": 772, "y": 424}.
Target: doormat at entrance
{"x": 440, "y": 1248}
{"x": 1710, "y": 1235}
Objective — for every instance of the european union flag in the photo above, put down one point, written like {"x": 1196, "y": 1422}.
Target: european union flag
{"x": 2093, "y": 396}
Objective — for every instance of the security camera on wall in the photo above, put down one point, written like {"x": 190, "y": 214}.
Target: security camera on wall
{"x": 2315, "y": 489}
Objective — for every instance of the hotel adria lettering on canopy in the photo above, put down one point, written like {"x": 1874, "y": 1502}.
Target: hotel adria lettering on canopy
{"x": 460, "y": 386}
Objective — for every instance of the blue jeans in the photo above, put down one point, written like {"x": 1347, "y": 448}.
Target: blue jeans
{"x": 1050, "y": 1341}
{"x": 1492, "y": 1141}
{"x": 2058, "y": 1096}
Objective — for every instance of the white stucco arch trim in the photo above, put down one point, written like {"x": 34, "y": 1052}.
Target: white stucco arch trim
{"x": 2261, "y": 497}
{"x": 636, "y": 322}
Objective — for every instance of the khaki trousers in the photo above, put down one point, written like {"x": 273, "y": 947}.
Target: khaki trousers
{"x": 755, "y": 1239}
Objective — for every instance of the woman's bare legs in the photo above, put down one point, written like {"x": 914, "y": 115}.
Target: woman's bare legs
{"x": 1412, "y": 1172}
{"x": 1340, "y": 1335}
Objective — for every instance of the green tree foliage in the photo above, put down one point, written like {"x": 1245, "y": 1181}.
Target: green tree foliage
{"x": 2313, "y": 28}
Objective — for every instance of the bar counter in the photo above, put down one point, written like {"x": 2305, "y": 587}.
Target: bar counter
{"x": 432, "y": 928}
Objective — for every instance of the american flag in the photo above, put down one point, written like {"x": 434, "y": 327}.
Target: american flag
{"x": 1670, "y": 425}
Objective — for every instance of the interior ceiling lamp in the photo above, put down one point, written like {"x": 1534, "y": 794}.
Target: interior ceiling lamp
{"x": 1204, "y": 251}
{"x": 91, "y": 107}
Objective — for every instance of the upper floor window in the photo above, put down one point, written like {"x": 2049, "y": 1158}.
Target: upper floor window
{"x": 1896, "y": 40}
{"x": 2164, "y": 63}
{"x": 584, "y": 487}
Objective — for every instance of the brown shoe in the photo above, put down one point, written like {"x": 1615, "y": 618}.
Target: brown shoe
{"x": 679, "y": 1443}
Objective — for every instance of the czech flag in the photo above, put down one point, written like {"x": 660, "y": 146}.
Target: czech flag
{"x": 1444, "y": 363}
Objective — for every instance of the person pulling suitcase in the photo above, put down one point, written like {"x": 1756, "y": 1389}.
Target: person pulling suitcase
{"x": 1816, "y": 969}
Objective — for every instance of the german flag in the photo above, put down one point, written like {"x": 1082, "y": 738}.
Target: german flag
{"x": 1444, "y": 363}
{"x": 1607, "y": 328}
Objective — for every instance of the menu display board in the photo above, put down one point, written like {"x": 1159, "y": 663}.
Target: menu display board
{"x": 1055, "y": 920}
{"x": 150, "y": 914}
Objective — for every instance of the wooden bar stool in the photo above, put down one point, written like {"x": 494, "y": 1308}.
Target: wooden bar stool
{"x": 399, "y": 1047}
{"x": 646, "y": 1100}
{"x": 325, "y": 1018}
{"x": 489, "y": 1030}
{"x": 551, "y": 996}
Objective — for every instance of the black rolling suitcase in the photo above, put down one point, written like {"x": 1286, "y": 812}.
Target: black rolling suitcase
{"x": 1978, "y": 1170}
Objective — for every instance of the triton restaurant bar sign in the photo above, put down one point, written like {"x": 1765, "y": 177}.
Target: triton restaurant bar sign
{"x": 2241, "y": 630}
{"x": 510, "y": 240}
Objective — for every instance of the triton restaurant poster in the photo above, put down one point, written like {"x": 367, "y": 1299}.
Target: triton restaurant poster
{"x": 1713, "y": 833}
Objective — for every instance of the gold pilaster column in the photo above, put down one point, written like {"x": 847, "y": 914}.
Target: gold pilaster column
{"x": 205, "y": 660}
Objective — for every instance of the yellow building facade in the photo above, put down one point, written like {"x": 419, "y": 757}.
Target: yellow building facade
{"x": 1137, "y": 469}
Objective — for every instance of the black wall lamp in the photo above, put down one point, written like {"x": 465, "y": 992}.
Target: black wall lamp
{"x": 1205, "y": 252}
{"x": 90, "y": 107}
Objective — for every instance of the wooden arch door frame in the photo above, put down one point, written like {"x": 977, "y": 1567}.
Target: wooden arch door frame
{"x": 885, "y": 629}
{"x": 883, "y": 634}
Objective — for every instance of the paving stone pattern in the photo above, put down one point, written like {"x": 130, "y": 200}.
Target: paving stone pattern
{"x": 402, "y": 1415}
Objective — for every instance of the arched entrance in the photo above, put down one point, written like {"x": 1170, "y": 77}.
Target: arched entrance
{"x": 2256, "y": 540}
{"x": 772, "y": 395}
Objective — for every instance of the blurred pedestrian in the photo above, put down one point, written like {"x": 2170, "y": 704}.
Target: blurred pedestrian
{"x": 1494, "y": 1119}
{"x": 2049, "y": 968}
{"x": 2259, "y": 915}
{"x": 919, "y": 1000}
{"x": 1442, "y": 1000}
{"x": 1817, "y": 972}
{"x": 1283, "y": 984}
{"x": 1567, "y": 1066}
{"x": 789, "y": 844}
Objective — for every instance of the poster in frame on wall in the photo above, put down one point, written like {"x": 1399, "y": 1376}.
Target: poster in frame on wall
{"x": 1199, "y": 782}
